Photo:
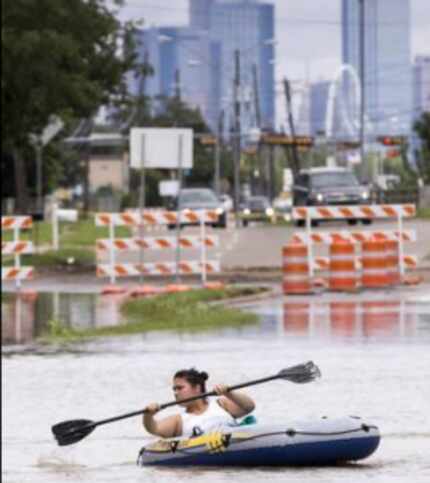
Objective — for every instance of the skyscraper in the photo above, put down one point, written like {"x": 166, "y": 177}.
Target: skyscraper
{"x": 176, "y": 54}
{"x": 248, "y": 27}
{"x": 421, "y": 85}
{"x": 202, "y": 55}
{"x": 387, "y": 61}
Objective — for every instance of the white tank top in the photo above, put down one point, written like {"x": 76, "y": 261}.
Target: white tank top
{"x": 214, "y": 417}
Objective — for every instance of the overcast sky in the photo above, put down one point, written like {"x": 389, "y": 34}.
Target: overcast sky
{"x": 307, "y": 31}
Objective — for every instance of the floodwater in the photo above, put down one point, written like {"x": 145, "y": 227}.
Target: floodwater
{"x": 373, "y": 353}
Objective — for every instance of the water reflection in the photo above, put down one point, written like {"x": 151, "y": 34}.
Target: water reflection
{"x": 350, "y": 317}
{"x": 25, "y": 315}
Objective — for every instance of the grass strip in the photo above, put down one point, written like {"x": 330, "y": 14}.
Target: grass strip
{"x": 185, "y": 312}
{"x": 64, "y": 257}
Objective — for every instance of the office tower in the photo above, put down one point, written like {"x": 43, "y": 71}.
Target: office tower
{"x": 200, "y": 14}
{"x": 179, "y": 57}
{"x": 421, "y": 85}
{"x": 387, "y": 54}
{"x": 246, "y": 26}
{"x": 201, "y": 56}
{"x": 318, "y": 107}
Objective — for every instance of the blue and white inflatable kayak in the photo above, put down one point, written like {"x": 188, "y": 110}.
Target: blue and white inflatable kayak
{"x": 320, "y": 442}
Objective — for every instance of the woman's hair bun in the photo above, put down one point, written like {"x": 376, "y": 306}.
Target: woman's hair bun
{"x": 204, "y": 375}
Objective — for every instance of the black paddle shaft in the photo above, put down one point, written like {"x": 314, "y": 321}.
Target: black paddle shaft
{"x": 69, "y": 432}
{"x": 190, "y": 399}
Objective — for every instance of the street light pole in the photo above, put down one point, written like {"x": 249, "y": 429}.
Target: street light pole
{"x": 236, "y": 135}
{"x": 218, "y": 152}
{"x": 362, "y": 87}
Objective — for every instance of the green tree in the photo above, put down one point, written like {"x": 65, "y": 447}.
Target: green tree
{"x": 422, "y": 128}
{"x": 60, "y": 57}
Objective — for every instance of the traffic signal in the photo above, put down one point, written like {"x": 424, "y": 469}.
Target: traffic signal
{"x": 391, "y": 140}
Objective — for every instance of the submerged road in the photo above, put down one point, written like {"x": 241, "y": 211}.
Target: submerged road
{"x": 372, "y": 349}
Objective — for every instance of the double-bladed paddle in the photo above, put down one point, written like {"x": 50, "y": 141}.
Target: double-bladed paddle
{"x": 69, "y": 432}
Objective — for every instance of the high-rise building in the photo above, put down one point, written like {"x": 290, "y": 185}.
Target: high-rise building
{"x": 176, "y": 55}
{"x": 202, "y": 57}
{"x": 246, "y": 26}
{"x": 318, "y": 107}
{"x": 387, "y": 60}
{"x": 421, "y": 85}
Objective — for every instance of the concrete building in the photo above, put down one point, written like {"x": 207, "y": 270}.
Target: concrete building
{"x": 387, "y": 60}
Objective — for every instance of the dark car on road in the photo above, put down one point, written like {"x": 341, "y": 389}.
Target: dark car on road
{"x": 255, "y": 208}
{"x": 195, "y": 199}
{"x": 329, "y": 186}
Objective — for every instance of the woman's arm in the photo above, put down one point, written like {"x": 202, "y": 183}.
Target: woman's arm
{"x": 166, "y": 428}
{"x": 238, "y": 404}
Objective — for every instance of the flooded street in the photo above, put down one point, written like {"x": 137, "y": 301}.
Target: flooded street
{"x": 373, "y": 353}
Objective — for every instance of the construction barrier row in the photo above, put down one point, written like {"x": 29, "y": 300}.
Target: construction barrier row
{"x": 142, "y": 244}
{"x": 357, "y": 259}
{"x": 16, "y": 248}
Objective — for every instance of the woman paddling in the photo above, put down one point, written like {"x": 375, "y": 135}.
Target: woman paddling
{"x": 201, "y": 415}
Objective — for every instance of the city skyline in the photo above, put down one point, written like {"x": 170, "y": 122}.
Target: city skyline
{"x": 299, "y": 20}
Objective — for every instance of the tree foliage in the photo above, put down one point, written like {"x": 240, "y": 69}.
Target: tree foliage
{"x": 422, "y": 128}
{"x": 60, "y": 57}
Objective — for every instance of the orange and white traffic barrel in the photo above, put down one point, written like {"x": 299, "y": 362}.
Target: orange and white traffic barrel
{"x": 342, "y": 276}
{"x": 392, "y": 261}
{"x": 374, "y": 264}
{"x": 295, "y": 267}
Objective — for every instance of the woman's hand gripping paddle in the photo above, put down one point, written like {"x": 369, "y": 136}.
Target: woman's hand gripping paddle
{"x": 69, "y": 432}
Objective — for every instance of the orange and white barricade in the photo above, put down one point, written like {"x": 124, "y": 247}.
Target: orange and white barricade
{"x": 16, "y": 248}
{"x": 146, "y": 219}
{"x": 295, "y": 268}
{"x": 357, "y": 212}
{"x": 392, "y": 261}
{"x": 343, "y": 275}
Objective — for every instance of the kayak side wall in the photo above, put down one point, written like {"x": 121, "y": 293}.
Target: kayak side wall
{"x": 313, "y": 453}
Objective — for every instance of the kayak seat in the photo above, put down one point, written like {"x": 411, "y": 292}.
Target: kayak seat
{"x": 246, "y": 421}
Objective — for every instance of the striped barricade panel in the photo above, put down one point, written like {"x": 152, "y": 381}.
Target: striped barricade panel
{"x": 353, "y": 211}
{"x": 155, "y": 243}
{"x": 329, "y": 237}
{"x": 323, "y": 263}
{"x": 162, "y": 268}
{"x": 155, "y": 218}
{"x": 17, "y": 273}
{"x": 12, "y": 222}
{"x": 16, "y": 247}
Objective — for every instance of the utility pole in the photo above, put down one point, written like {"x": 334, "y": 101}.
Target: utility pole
{"x": 142, "y": 91}
{"x": 258, "y": 123}
{"x": 296, "y": 161}
{"x": 236, "y": 134}
{"x": 177, "y": 85}
{"x": 218, "y": 146}
{"x": 256, "y": 96}
{"x": 362, "y": 88}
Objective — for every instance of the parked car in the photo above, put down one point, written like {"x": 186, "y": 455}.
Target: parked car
{"x": 330, "y": 186}
{"x": 255, "y": 208}
{"x": 200, "y": 199}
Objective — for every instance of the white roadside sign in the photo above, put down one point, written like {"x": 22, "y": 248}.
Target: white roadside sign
{"x": 159, "y": 148}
